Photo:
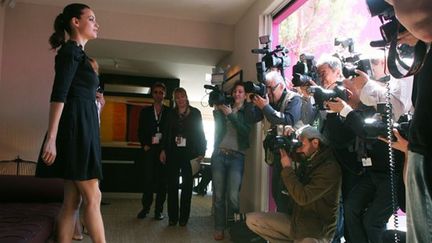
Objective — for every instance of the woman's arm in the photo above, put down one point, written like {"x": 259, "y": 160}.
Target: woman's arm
{"x": 49, "y": 149}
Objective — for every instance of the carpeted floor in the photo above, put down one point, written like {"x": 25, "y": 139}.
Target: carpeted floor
{"x": 121, "y": 224}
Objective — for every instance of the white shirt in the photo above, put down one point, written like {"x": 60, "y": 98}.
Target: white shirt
{"x": 374, "y": 92}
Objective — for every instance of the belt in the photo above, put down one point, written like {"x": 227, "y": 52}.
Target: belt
{"x": 228, "y": 152}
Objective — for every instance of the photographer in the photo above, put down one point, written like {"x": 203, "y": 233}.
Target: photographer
{"x": 374, "y": 91}
{"x": 231, "y": 141}
{"x": 369, "y": 205}
{"x": 280, "y": 106}
{"x": 301, "y": 66}
{"x": 313, "y": 178}
{"x": 340, "y": 137}
{"x": 416, "y": 17}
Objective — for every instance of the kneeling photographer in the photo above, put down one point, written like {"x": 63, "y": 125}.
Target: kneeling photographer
{"x": 369, "y": 205}
{"x": 313, "y": 179}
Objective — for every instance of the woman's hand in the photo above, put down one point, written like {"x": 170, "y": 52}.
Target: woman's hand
{"x": 225, "y": 109}
{"x": 49, "y": 151}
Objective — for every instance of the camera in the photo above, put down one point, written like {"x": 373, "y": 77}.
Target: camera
{"x": 321, "y": 95}
{"x": 303, "y": 79}
{"x": 299, "y": 80}
{"x": 275, "y": 140}
{"x": 255, "y": 89}
{"x": 276, "y": 58}
{"x": 218, "y": 97}
{"x": 377, "y": 125}
{"x": 349, "y": 67}
{"x": 385, "y": 12}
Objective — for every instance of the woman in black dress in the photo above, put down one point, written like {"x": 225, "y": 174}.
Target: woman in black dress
{"x": 184, "y": 141}
{"x": 71, "y": 149}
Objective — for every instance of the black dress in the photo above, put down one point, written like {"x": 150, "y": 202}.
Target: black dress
{"x": 78, "y": 141}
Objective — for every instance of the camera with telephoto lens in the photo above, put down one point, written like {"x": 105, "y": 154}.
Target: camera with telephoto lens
{"x": 321, "y": 95}
{"x": 217, "y": 96}
{"x": 255, "y": 89}
{"x": 276, "y": 58}
{"x": 377, "y": 125}
{"x": 275, "y": 140}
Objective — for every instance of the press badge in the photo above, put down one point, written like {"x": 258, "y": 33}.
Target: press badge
{"x": 180, "y": 141}
{"x": 366, "y": 162}
{"x": 156, "y": 138}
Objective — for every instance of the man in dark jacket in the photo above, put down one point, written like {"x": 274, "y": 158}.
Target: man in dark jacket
{"x": 313, "y": 179}
{"x": 150, "y": 131}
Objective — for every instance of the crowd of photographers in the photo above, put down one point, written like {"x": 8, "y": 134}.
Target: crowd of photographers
{"x": 330, "y": 137}
{"x": 354, "y": 113}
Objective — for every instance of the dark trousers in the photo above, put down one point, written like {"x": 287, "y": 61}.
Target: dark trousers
{"x": 154, "y": 180}
{"x": 349, "y": 181}
{"x": 179, "y": 164}
{"x": 280, "y": 195}
{"x": 368, "y": 208}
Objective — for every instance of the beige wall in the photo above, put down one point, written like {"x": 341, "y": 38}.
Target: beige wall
{"x": 255, "y": 187}
{"x": 27, "y": 63}
{"x": 26, "y": 71}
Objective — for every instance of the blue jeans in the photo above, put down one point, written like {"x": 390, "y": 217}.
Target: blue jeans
{"x": 227, "y": 172}
{"x": 419, "y": 198}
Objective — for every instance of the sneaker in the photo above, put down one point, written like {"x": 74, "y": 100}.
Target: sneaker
{"x": 142, "y": 214}
{"x": 218, "y": 235}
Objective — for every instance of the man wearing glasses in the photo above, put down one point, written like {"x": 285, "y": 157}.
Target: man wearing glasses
{"x": 280, "y": 107}
{"x": 150, "y": 132}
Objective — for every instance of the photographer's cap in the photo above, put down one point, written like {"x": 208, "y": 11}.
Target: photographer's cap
{"x": 311, "y": 132}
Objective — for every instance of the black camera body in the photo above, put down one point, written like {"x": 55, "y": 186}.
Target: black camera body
{"x": 275, "y": 141}
{"x": 321, "y": 95}
{"x": 299, "y": 80}
{"x": 218, "y": 97}
{"x": 350, "y": 65}
{"x": 377, "y": 126}
{"x": 276, "y": 58}
{"x": 255, "y": 89}
{"x": 385, "y": 11}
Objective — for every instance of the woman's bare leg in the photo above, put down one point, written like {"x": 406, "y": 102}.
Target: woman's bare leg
{"x": 66, "y": 219}
{"x": 91, "y": 196}
{"x": 78, "y": 230}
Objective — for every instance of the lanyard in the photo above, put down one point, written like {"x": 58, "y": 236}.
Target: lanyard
{"x": 157, "y": 116}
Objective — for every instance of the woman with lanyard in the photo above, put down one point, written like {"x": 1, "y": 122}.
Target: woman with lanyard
{"x": 184, "y": 141}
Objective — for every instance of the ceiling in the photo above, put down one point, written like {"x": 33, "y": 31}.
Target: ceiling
{"x": 186, "y": 63}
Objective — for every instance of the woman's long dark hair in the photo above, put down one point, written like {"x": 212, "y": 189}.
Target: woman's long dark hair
{"x": 62, "y": 23}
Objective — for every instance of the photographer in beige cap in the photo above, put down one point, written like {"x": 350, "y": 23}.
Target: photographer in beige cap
{"x": 312, "y": 178}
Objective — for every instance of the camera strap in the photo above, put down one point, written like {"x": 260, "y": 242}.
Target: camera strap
{"x": 420, "y": 52}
